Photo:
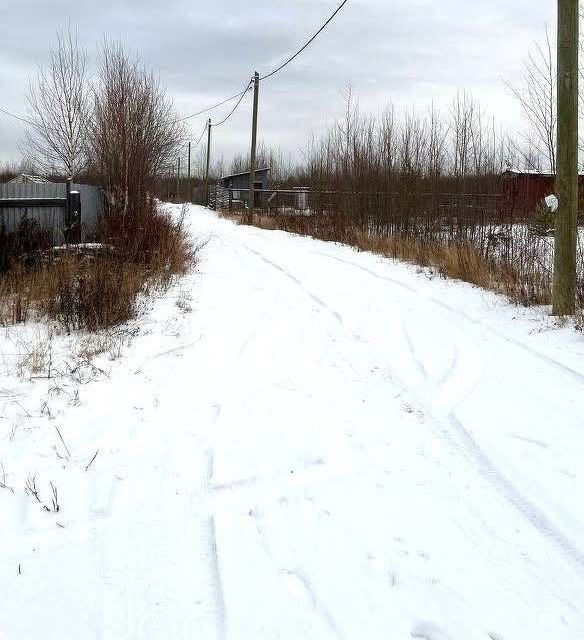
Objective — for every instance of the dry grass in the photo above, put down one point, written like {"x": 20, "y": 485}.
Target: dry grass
{"x": 92, "y": 290}
{"x": 36, "y": 359}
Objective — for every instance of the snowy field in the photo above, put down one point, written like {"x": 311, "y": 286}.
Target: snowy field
{"x": 299, "y": 441}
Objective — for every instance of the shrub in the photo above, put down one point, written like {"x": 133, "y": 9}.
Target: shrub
{"x": 543, "y": 222}
{"x": 95, "y": 288}
{"x": 28, "y": 239}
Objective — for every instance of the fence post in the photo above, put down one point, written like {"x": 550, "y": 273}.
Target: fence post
{"x": 75, "y": 211}
{"x": 190, "y": 192}
{"x": 68, "y": 210}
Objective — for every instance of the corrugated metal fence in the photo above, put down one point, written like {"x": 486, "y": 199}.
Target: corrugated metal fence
{"x": 50, "y": 216}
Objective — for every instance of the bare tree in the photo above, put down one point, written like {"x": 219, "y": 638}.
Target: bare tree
{"x": 58, "y": 100}
{"x": 463, "y": 114}
{"x": 537, "y": 98}
{"x": 134, "y": 133}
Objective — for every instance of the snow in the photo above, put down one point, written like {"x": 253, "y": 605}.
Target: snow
{"x": 297, "y": 441}
{"x": 82, "y": 245}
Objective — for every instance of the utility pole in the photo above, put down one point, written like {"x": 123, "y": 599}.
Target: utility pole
{"x": 190, "y": 192}
{"x": 208, "y": 162}
{"x": 564, "y": 281}
{"x": 254, "y": 136}
{"x": 178, "y": 181}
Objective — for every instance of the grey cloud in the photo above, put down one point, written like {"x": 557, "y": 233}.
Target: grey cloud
{"x": 405, "y": 50}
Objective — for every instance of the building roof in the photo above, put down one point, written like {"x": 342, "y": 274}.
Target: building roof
{"x": 526, "y": 172}
{"x": 245, "y": 173}
{"x": 532, "y": 173}
{"x": 27, "y": 178}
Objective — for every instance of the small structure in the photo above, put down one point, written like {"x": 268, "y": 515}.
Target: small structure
{"x": 525, "y": 190}
{"x": 238, "y": 185}
{"x": 25, "y": 178}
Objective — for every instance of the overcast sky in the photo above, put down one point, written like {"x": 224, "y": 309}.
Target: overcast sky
{"x": 404, "y": 51}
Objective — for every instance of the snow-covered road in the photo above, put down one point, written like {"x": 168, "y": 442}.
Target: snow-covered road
{"x": 329, "y": 446}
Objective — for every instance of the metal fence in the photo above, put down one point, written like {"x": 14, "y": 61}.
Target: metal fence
{"x": 48, "y": 205}
{"x": 268, "y": 200}
{"x": 302, "y": 201}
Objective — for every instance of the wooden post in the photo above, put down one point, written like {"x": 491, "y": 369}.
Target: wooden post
{"x": 190, "y": 191}
{"x": 254, "y": 135}
{"x": 209, "y": 125}
{"x": 178, "y": 182}
{"x": 564, "y": 281}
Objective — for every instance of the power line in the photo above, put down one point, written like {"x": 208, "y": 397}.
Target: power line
{"x": 40, "y": 128}
{"x": 12, "y": 115}
{"x": 235, "y": 107}
{"x": 219, "y": 104}
{"x": 237, "y": 95}
{"x": 268, "y": 75}
{"x": 307, "y": 44}
{"x": 201, "y": 136}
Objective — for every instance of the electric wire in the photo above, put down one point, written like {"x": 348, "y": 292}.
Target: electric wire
{"x": 307, "y": 44}
{"x": 235, "y": 107}
{"x": 12, "y": 115}
{"x": 200, "y": 137}
{"x": 238, "y": 96}
{"x": 272, "y": 73}
{"x": 219, "y": 104}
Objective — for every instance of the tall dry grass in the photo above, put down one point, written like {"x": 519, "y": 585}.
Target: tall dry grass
{"x": 97, "y": 288}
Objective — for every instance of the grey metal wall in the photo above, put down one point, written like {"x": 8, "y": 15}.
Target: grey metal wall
{"x": 91, "y": 208}
{"x": 51, "y": 218}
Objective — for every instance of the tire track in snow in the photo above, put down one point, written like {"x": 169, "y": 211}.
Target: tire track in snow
{"x": 412, "y": 351}
{"x": 506, "y": 488}
{"x": 579, "y": 376}
{"x": 297, "y": 581}
{"x": 321, "y": 303}
{"x": 400, "y": 326}
{"x": 449, "y": 373}
{"x": 398, "y": 283}
{"x": 216, "y": 579}
{"x": 214, "y": 566}
{"x": 316, "y": 604}
{"x": 501, "y": 484}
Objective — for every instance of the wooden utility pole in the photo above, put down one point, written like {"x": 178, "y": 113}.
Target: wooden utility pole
{"x": 190, "y": 192}
{"x": 208, "y": 162}
{"x": 178, "y": 182}
{"x": 254, "y": 137}
{"x": 564, "y": 281}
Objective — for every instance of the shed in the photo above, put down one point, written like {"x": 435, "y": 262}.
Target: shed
{"x": 238, "y": 183}
{"x": 524, "y": 190}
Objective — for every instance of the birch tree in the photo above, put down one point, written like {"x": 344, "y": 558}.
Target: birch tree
{"x": 58, "y": 100}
